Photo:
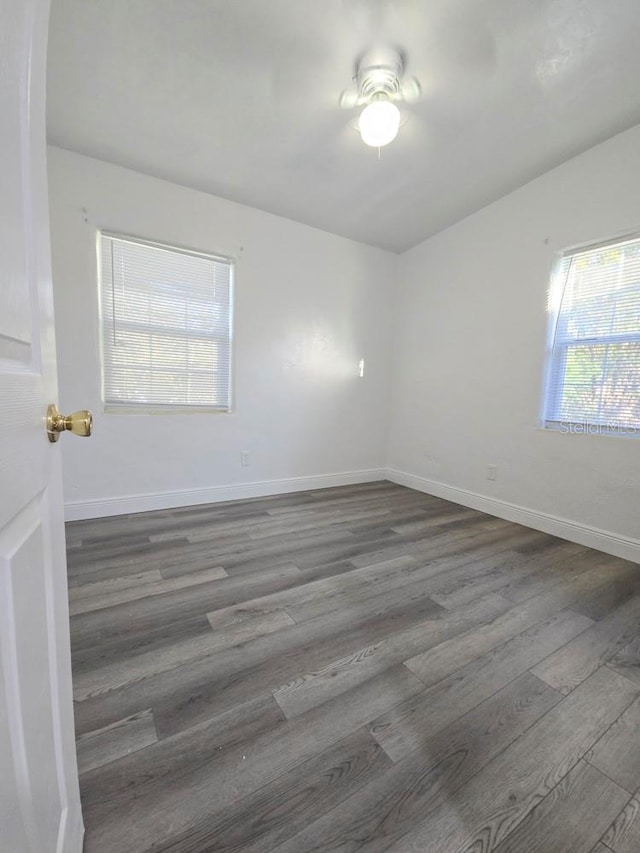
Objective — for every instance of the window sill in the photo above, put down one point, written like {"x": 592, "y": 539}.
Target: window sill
{"x": 570, "y": 428}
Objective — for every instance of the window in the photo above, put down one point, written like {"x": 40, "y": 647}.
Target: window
{"x": 166, "y": 327}
{"x": 593, "y": 380}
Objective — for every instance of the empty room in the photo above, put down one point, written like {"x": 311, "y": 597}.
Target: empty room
{"x": 320, "y": 470}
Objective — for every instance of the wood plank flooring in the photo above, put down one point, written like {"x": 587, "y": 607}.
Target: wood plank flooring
{"x": 363, "y": 668}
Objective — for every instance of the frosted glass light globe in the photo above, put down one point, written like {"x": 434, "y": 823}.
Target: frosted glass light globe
{"x": 379, "y": 123}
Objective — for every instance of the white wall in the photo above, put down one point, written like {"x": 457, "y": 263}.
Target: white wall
{"x": 462, "y": 390}
{"x": 468, "y": 366}
{"x": 308, "y": 306}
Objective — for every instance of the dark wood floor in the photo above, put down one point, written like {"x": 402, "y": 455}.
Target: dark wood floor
{"x": 362, "y": 668}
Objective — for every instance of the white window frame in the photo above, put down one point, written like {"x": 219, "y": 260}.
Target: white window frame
{"x": 130, "y": 407}
{"x": 552, "y": 392}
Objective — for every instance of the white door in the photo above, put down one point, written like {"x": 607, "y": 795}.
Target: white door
{"x": 39, "y": 799}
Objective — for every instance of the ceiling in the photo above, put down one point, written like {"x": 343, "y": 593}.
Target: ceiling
{"x": 240, "y": 99}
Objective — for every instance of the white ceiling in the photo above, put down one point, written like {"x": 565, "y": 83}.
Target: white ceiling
{"x": 240, "y": 98}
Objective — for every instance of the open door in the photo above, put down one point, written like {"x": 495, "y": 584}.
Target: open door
{"x": 39, "y": 798}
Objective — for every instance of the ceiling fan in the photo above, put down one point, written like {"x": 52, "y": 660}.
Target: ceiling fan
{"x": 380, "y": 85}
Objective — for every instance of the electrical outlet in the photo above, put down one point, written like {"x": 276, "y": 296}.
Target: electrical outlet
{"x": 492, "y": 472}
{"x": 244, "y": 458}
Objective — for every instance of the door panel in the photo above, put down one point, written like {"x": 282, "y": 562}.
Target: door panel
{"x": 40, "y": 803}
{"x": 12, "y": 829}
{"x": 23, "y": 601}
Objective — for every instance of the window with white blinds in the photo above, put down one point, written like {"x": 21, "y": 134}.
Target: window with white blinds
{"x": 593, "y": 379}
{"x": 166, "y": 327}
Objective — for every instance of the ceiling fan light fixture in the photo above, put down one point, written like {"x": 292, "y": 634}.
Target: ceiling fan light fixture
{"x": 379, "y": 123}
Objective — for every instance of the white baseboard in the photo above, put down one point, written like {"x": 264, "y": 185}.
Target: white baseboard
{"x": 79, "y": 510}
{"x": 592, "y": 537}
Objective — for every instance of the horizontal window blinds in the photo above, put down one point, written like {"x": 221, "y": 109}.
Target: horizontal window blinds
{"x": 166, "y": 326}
{"x": 594, "y": 372}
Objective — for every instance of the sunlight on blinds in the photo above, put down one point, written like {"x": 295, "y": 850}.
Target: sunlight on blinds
{"x": 166, "y": 326}
{"x": 594, "y": 371}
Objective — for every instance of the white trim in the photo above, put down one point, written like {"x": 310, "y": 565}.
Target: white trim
{"x": 70, "y": 833}
{"x": 100, "y": 508}
{"x": 167, "y": 247}
{"x": 592, "y": 537}
{"x": 574, "y": 531}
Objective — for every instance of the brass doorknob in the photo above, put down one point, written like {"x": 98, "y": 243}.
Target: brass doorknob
{"x": 79, "y": 423}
